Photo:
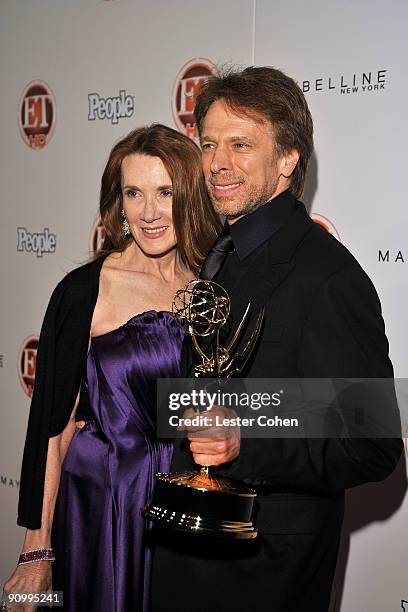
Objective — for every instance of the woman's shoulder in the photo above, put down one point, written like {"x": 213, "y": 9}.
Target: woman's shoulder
{"x": 81, "y": 276}
{"x": 79, "y": 284}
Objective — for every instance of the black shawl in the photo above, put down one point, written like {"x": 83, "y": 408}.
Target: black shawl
{"x": 61, "y": 360}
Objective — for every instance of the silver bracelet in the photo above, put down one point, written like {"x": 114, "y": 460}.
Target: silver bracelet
{"x": 38, "y": 554}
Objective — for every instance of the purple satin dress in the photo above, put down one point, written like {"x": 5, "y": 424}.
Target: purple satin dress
{"x": 99, "y": 537}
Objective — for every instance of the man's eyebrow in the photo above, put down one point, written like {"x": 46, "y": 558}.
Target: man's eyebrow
{"x": 240, "y": 139}
{"x": 231, "y": 138}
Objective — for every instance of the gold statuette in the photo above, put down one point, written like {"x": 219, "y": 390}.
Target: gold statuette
{"x": 199, "y": 501}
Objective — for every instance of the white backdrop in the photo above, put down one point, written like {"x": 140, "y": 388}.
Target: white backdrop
{"x": 350, "y": 60}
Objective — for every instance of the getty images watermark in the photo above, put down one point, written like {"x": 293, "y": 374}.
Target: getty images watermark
{"x": 204, "y": 402}
{"x": 285, "y": 408}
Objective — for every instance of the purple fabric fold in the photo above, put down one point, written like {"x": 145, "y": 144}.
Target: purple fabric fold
{"x": 103, "y": 557}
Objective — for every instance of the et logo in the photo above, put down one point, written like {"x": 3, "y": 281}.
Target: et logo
{"x": 186, "y": 88}
{"x": 36, "y": 116}
{"x": 27, "y": 362}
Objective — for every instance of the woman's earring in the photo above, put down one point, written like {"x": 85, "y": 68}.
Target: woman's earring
{"x": 125, "y": 224}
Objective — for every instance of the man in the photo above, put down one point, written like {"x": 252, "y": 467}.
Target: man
{"x": 322, "y": 319}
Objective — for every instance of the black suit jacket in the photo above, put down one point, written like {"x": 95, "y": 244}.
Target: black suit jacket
{"x": 323, "y": 319}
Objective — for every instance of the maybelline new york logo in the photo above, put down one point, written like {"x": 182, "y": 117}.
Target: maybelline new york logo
{"x": 394, "y": 256}
{"x": 348, "y": 83}
{"x": 112, "y": 108}
{"x": 8, "y": 481}
{"x": 38, "y": 243}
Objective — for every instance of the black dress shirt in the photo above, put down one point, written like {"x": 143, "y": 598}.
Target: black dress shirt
{"x": 251, "y": 232}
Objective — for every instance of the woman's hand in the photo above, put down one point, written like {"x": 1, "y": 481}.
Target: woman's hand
{"x": 29, "y": 578}
{"x": 35, "y": 577}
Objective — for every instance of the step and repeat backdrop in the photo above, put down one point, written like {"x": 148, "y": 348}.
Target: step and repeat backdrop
{"x": 77, "y": 76}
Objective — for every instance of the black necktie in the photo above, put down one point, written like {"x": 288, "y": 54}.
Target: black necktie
{"x": 216, "y": 257}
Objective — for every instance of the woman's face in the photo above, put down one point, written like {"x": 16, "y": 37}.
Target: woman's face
{"x": 147, "y": 193}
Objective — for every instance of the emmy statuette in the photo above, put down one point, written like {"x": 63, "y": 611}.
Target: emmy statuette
{"x": 201, "y": 502}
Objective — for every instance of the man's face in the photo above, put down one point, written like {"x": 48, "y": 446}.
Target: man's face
{"x": 241, "y": 166}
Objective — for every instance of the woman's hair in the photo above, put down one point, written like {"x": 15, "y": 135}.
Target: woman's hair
{"x": 195, "y": 222}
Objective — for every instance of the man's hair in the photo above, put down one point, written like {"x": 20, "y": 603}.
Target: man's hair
{"x": 265, "y": 93}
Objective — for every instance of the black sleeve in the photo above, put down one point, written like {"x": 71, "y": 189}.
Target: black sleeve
{"x": 343, "y": 337}
{"x": 60, "y": 361}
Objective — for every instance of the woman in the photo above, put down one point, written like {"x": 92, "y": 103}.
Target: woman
{"x": 109, "y": 324}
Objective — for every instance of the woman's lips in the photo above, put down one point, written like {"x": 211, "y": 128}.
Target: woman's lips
{"x": 154, "y": 232}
